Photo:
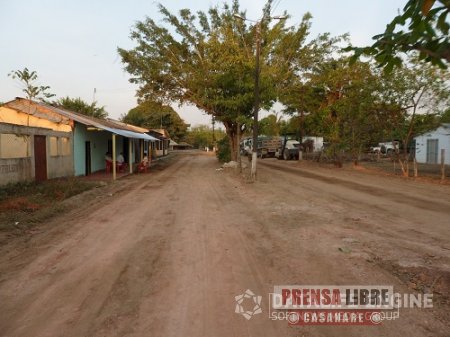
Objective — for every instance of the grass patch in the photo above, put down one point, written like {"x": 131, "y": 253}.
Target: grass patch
{"x": 25, "y": 203}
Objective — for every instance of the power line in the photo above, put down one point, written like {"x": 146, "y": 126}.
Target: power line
{"x": 275, "y": 7}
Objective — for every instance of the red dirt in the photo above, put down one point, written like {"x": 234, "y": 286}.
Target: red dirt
{"x": 18, "y": 204}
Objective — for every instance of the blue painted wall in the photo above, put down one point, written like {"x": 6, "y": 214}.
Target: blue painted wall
{"x": 99, "y": 146}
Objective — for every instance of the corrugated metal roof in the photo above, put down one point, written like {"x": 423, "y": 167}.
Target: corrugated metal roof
{"x": 130, "y": 134}
{"x": 103, "y": 124}
{"x": 162, "y": 132}
{"x": 129, "y": 126}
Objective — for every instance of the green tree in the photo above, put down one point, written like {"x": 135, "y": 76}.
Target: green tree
{"x": 223, "y": 152}
{"x": 304, "y": 94}
{"x": 417, "y": 92}
{"x": 445, "y": 117}
{"x": 209, "y": 62}
{"x": 201, "y": 136}
{"x": 426, "y": 32}
{"x": 80, "y": 106}
{"x": 270, "y": 125}
{"x": 154, "y": 115}
{"x": 336, "y": 100}
{"x": 28, "y": 80}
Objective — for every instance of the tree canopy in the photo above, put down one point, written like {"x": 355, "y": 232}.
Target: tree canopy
{"x": 202, "y": 136}
{"x": 154, "y": 115}
{"x": 80, "y": 106}
{"x": 422, "y": 28}
{"x": 207, "y": 59}
{"x": 28, "y": 79}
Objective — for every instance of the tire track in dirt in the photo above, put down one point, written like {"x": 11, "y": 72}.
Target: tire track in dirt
{"x": 375, "y": 191}
{"x": 167, "y": 256}
{"x": 68, "y": 288}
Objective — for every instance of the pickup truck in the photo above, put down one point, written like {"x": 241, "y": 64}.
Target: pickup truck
{"x": 289, "y": 148}
{"x": 386, "y": 148}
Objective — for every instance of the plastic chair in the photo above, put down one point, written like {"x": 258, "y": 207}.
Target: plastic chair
{"x": 108, "y": 166}
{"x": 121, "y": 167}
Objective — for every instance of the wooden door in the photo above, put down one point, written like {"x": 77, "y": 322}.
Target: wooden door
{"x": 40, "y": 158}
{"x": 432, "y": 151}
{"x": 88, "y": 158}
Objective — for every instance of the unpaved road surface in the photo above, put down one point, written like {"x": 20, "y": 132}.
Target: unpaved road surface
{"x": 167, "y": 255}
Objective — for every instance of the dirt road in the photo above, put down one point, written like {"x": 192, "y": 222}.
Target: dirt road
{"x": 167, "y": 255}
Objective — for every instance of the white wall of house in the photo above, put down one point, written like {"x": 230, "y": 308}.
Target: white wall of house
{"x": 17, "y": 156}
{"x": 318, "y": 142}
{"x": 430, "y": 144}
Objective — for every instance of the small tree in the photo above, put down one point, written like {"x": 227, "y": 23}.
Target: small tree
{"x": 223, "y": 153}
{"x": 414, "y": 90}
{"x": 28, "y": 81}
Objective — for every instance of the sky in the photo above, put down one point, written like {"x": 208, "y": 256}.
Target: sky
{"x": 72, "y": 45}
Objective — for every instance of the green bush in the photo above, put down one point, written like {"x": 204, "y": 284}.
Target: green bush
{"x": 223, "y": 153}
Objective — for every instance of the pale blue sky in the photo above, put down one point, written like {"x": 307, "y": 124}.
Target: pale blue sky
{"x": 73, "y": 44}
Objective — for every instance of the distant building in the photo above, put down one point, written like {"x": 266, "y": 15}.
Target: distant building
{"x": 316, "y": 141}
{"x": 161, "y": 146}
{"x": 182, "y": 146}
{"x": 430, "y": 144}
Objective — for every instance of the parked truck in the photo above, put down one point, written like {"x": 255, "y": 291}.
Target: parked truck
{"x": 267, "y": 146}
{"x": 285, "y": 147}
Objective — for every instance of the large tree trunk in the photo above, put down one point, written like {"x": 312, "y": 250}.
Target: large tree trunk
{"x": 232, "y": 132}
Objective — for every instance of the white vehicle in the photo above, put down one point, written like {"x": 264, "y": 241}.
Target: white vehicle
{"x": 387, "y": 148}
{"x": 289, "y": 148}
{"x": 246, "y": 146}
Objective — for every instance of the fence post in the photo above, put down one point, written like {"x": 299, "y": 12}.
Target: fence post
{"x": 442, "y": 165}
{"x": 416, "y": 174}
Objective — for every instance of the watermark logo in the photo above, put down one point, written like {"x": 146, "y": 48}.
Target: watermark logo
{"x": 341, "y": 305}
{"x": 301, "y": 305}
{"x": 248, "y": 300}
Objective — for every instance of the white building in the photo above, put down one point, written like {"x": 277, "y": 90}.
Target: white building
{"x": 430, "y": 144}
{"x": 318, "y": 142}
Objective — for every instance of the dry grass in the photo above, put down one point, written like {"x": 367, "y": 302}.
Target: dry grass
{"x": 26, "y": 203}
{"x": 429, "y": 171}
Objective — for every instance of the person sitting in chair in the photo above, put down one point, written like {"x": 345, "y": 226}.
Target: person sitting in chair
{"x": 108, "y": 162}
{"x": 144, "y": 163}
{"x": 121, "y": 165}
{"x": 120, "y": 158}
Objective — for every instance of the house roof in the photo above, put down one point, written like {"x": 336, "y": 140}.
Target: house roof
{"x": 445, "y": 126}
{"x": 184, "y": 144}
{"x": 162, "y": 132}
{"x": 60, "y": 115}
{"x": 129, "y": 126}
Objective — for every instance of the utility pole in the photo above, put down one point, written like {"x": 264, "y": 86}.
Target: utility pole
{"x": 256, "y": 103}
{"x": 256, "y": 90}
